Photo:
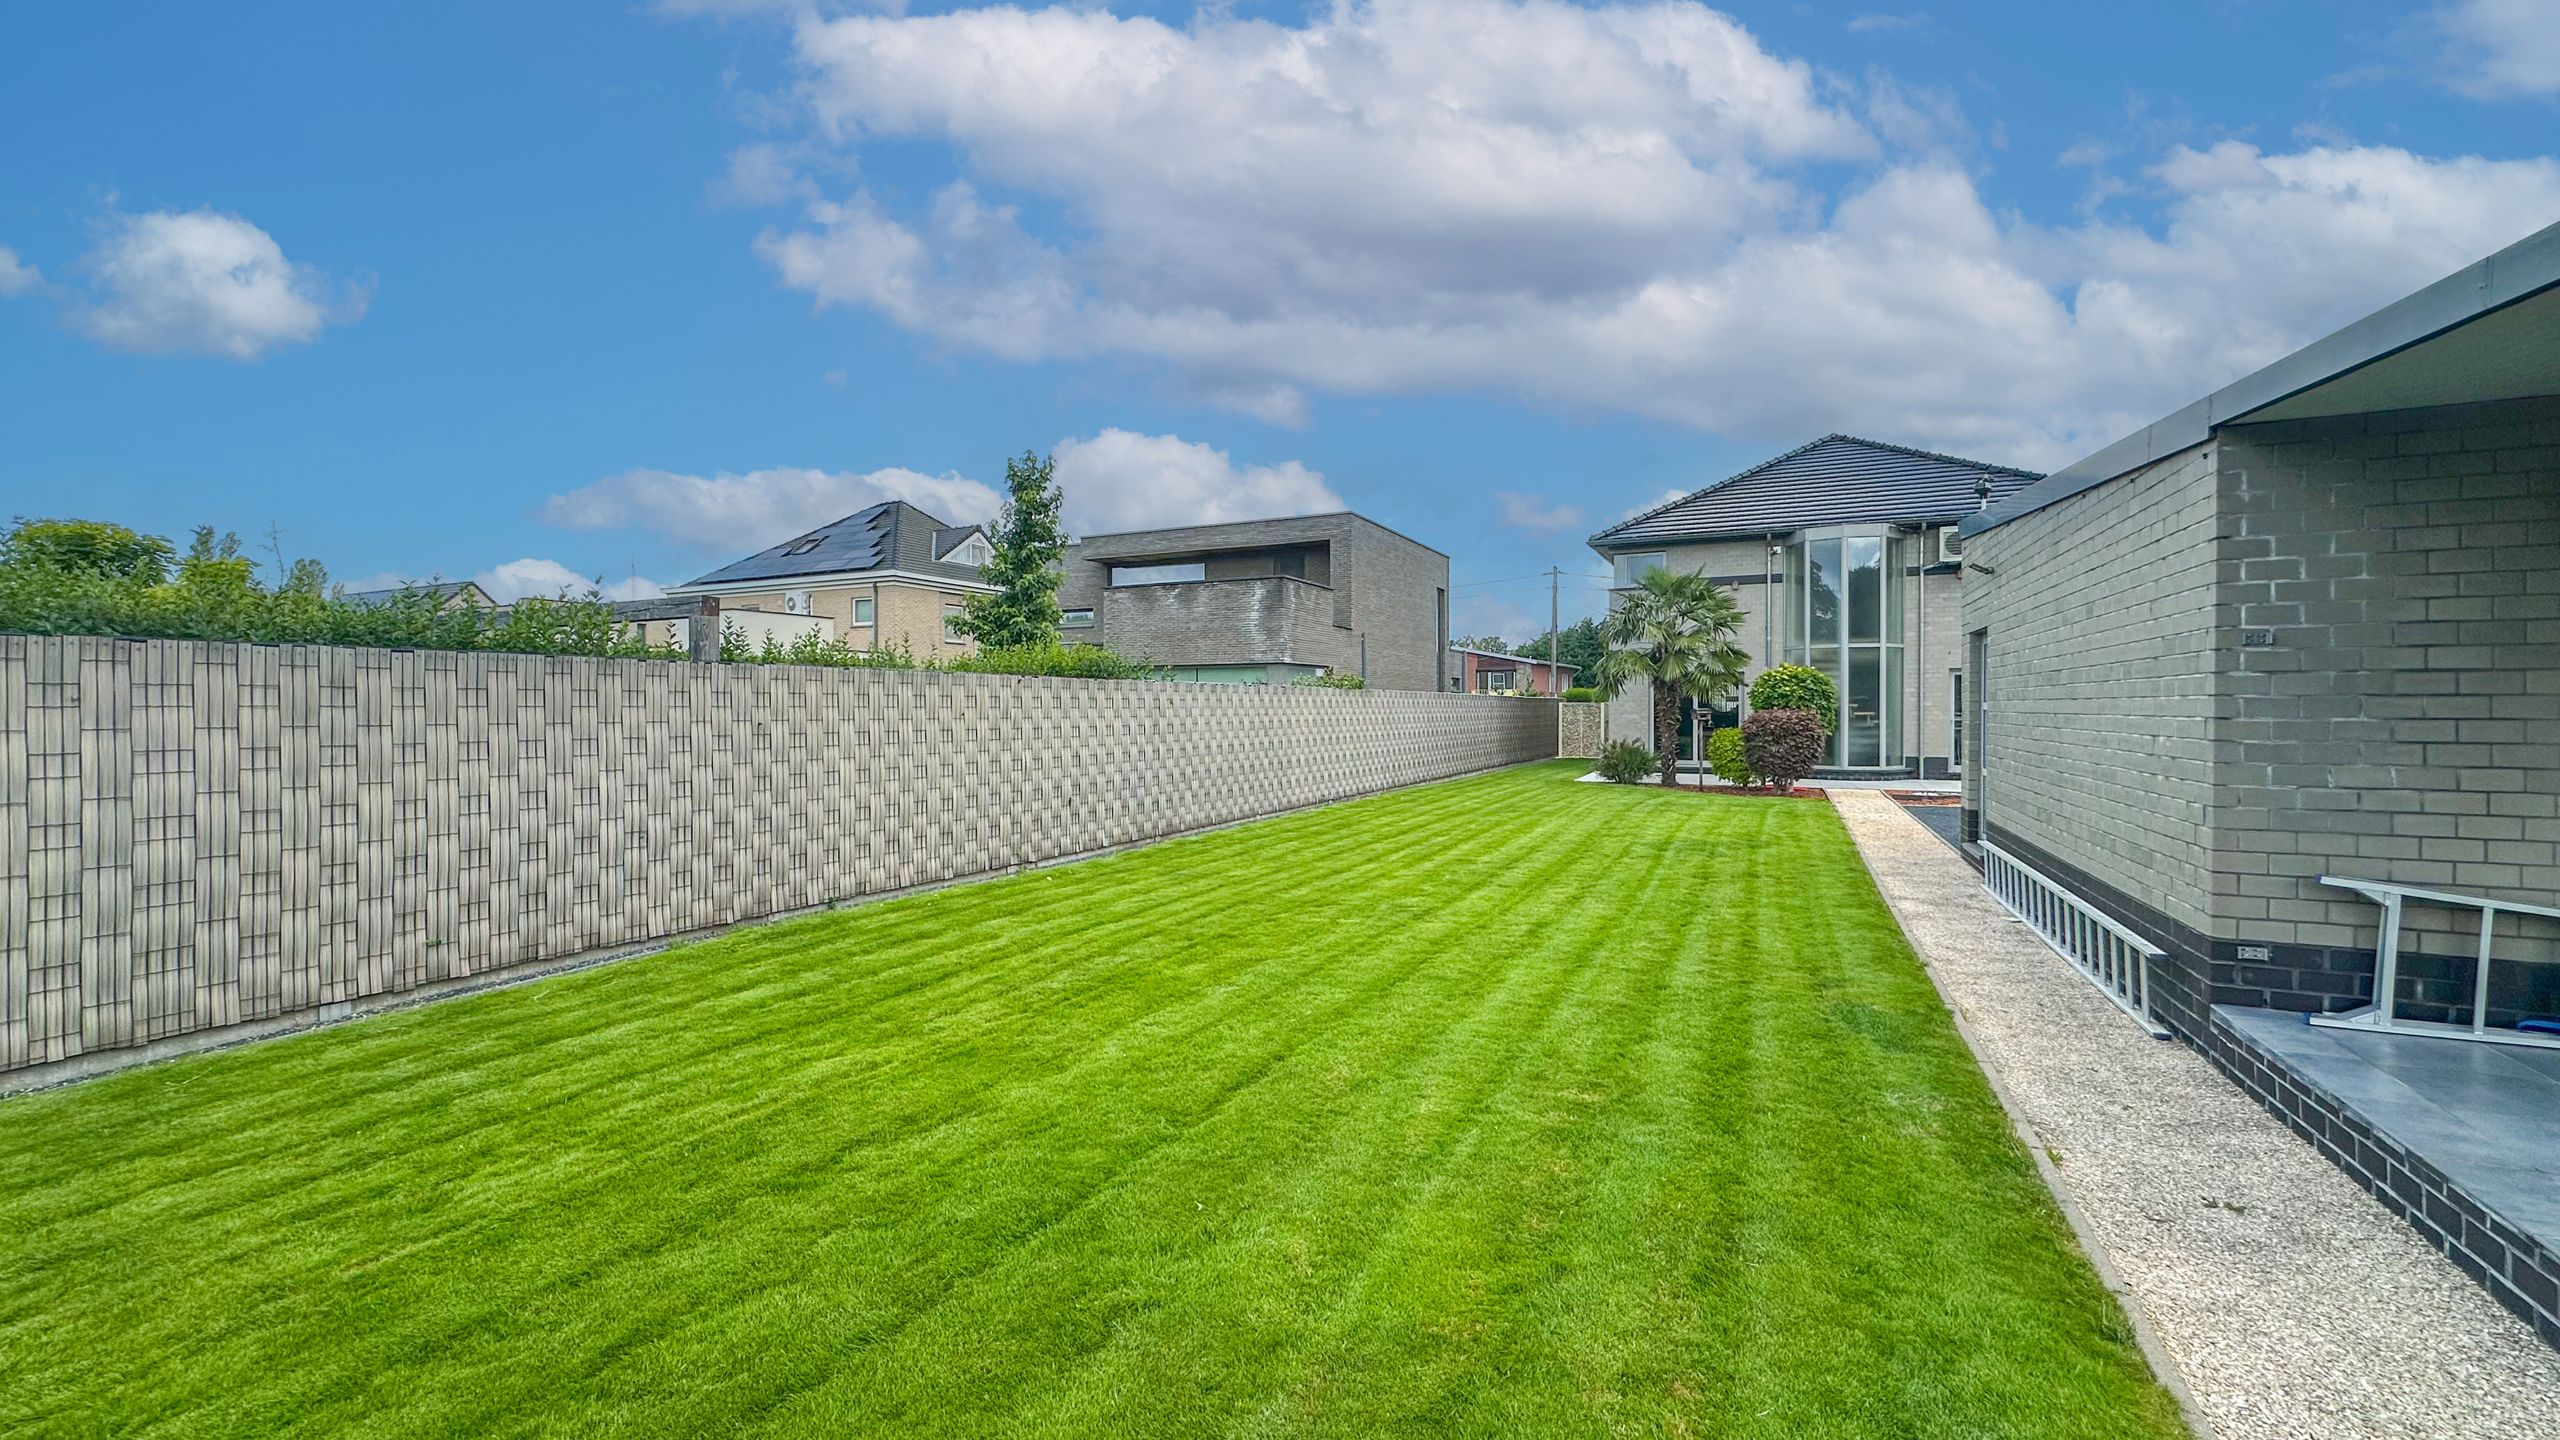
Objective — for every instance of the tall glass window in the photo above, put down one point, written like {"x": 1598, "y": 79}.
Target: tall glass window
{"x": 1844, "y": 617}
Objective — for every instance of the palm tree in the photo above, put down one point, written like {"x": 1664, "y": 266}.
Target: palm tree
{"x": 1676, "y": 631}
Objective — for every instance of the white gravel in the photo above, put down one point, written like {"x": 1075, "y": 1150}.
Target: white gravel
{"x": 2289, "y": 1302}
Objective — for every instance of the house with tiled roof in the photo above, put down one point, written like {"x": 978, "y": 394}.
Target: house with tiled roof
{"x": 1842, "y": 553}
{"x": 887, "y": 578}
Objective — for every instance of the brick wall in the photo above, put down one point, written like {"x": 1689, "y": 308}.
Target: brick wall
{"x": 2101, "y": 691}
{"x": 2404, "y": 722}
{"x": 199, "y": 837}
{"x": 2315, "y": 646}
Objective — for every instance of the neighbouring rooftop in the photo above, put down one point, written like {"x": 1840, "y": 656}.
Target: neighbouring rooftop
{"x": 892, "y": 535}
{"x": 1836, "y": 480}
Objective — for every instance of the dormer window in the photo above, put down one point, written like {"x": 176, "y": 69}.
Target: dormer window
{"x": 973, "y": 552}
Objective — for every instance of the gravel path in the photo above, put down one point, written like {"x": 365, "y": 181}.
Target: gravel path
{"x": 2290, "y": 1302}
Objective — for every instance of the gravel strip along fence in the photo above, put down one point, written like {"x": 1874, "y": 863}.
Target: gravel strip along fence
{"x": 2290, "y": 1303}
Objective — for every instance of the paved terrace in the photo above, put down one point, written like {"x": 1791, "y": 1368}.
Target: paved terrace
{"x": 2290, "y": 1302}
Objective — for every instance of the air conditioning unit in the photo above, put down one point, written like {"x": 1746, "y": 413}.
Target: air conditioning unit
{"x": 1950, "y": 546}
{"x": 795, "y": 602}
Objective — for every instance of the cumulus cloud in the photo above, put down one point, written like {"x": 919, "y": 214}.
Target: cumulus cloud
{"x": 2497, "y": 49}
{"x": 739, "y": 514}
{"x": 203, "y": 282}
{"x": 1534, "y": 513}
{"x": 1115, "y": 480}
{"x": 16, "y": 276}
{"x": 513, "y": 580}
{"x": 1619, "y": 207}
{"x": 1121, "y": 480}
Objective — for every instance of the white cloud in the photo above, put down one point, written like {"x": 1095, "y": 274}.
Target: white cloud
{"x": 1619, "y": 207}
{"x": 740, "y": 514}
{"x": 762, "y": 174}
{"x": 513, "y": 580}
{"x": 1120, "y": 480}
{"x": 1534, "y": 513}
{"x": 207, "y": 283}
{"x": 1656, "y": 503}
{"x": 2497, "y": 49}
{"x": 1870, "y": 23}
{"x": 16, "y": 276}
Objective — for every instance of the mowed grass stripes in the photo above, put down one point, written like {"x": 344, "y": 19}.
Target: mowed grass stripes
{"x": 1507, "y": 1106}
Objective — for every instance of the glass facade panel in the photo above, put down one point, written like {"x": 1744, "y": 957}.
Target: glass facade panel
{"x": 1862, "y": 709}
{"x": 1865, "y": 557}
{"x": 1895, "y": 584}
{"x": 1846, "y": 613}
{"x": 1822, "y": 591}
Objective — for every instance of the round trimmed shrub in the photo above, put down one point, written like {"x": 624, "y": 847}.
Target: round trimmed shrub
{"x": 1798, "y": 687}
{"x": 1783, "y": 746}
{"x": 1624, "y": 762}
{"x": 1725, "y": 757}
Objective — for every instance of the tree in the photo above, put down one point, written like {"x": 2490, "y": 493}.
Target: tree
{"x": 1579, "y": 647}
{"x": 1024, "y": 566}
{"x": 89, "y": 548}
{"x": 1676, "y": 632}
{"x": 1493, "y": 644}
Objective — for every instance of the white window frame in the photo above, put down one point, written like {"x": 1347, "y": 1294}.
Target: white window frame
{"x": 1067, "y": 619}
{"x": 1624, "y": 573}
{"x": 864, "y": 608}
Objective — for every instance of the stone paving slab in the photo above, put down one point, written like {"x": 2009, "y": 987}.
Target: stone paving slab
{"x": 2289, "y": 1303}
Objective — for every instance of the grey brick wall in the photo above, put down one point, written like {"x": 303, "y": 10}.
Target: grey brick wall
{"x": 2315, "y": 646}
{"x": 2404, "y": 724}
{"x": 198, "y": 836}
{"x": 2101, "y": 693}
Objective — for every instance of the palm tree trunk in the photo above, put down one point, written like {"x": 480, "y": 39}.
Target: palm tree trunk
{"x": 1666, "y": 732}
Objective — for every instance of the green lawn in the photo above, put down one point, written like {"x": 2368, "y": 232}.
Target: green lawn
{"x": 1508, "y": 1106}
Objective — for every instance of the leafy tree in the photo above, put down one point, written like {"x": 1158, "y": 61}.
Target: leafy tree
{"x": 1579, "y": 646}
{"x": 1334, "y": 680}
{"x": 1023, "y": 613}
{"x": 93, "y": 548}
{"x": 1675, "y": 631}
{"x": 1798, "y": 687}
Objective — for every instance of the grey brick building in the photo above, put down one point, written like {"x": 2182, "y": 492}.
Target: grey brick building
{"x": 1265, "y": 600}
{"x": 1842, "y": 554}
{"x": 2307, "y": 627}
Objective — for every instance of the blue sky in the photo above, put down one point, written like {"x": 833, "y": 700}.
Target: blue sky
{"x": 620, "y": 291}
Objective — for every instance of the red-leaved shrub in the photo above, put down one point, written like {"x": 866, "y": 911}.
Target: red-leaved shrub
{"x": 1783, "y": 746}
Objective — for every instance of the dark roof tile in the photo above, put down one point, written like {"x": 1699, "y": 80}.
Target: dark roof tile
{"x": 1836, "y": 480}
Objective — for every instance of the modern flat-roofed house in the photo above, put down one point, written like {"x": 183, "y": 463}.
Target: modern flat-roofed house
{"x": 1492, "y": 672}
{"x": 885, "y": 578}
{"x": 2266, "y": 722}
{"x": 1265, "y": 601}
{"x": 1843, "y": 556}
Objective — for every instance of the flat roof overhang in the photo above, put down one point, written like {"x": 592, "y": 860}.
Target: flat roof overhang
{"x": 2490, "y": 331}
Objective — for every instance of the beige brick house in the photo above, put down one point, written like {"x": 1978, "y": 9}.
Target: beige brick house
{"x": 888, "y": 578}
